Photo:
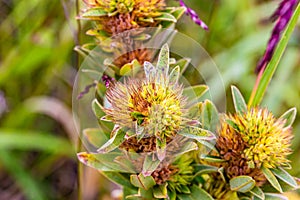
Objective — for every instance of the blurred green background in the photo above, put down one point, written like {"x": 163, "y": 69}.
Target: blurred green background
{"x": 38, "y": 66}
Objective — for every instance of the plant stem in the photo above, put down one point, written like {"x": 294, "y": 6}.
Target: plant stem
{"x": 264, "y": 77}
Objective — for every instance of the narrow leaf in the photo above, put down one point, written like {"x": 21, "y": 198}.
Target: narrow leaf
{"x": 161, "y": 148}
{"x": 204, "y": 169}
{"x": 183, "y": 64}
{"x": 238, "y": 100}
{"x": 162, "y": 66}
{"x": 210, "y": 158}
{"x": 142, "y": 182}
{"x": 197, "y": 133}
{"x": 172, "y": 195}
{"x": 257, "y": 192}
{"x": 149, "y": 71}
{"x": 31, "y": 140}
{"x": 258, "y": 93}
{"x": 119, "y": 178}
{"x": 103, "y": 162}
{"x": 94, "y": 12}
{"x": 242, "y": 184}
{"x": 187, "y": 147}
{"x": 289, "y": 116}
{"x": 198, "y": 193}
{"x": 166, "y": 17}
{"x": 29, "y": 185}
{"x": 150, "y": 164}
{"x": 271, "y": 178}
{"x": 194, "y": 93}
{"x": 285, "y": 176}
{"x": 178, "y": 12}
{"x": 270, "y": 196}
{"x": 95, "y": 136}
{"x": 174, "y": 75}
{"x": 160, "y": 191}
{"x": 209, "y": 115}
{"x": 114, "y": 142}
{"x": 97, "y": 109}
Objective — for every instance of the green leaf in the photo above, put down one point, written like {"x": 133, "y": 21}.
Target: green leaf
{"x": 242, "y": 184}
{"x": 114, "y": 142}
{"x": 125, "y": 161}
{"x": 97, "y": 109}
{"x": 259, "y": 91}
{"x": 31, "y": 187}
{"x": 146, "y": 19}
{"x": 150, "y": 164}
{"x": 177, "y": 12}
{"x": 182, "y": 63}
{"x": 150, "y": 71}
{"x": 258, "y": 193}
{"x": 196, "y": 194}
{"x": 162, "y": 66}
{"x": 103, "y": 162}
{"x": 146, "y": 194}
{"x": 94, "y": 12}
{"x": 194, "y": 93}
{"x": 172, "y": 195}
{"x": 166, "y": 17}
{"x": 271, "y": 178}
{"x": 142, "y": 37}
{"x": 285, "y": 177}
{"x": 270, "y": 196}
{"x": 238, "y": 100}
{"x": 209, "y": 145}
{"x": 289, "y": 116}
{"x": 119, "y": 178}
{"x": 210, "y": 158}
{"x": 174, "y": 75}
{"x": 187, "y": 147}
{"x": 32, "y": 140}
{"x": 209, "y": 116}
{"x": 160, "y": 191}
{"x": 204, "y": 169}
{"x": 130, "y": 69}
{"x": 95, "y": 136}
{"x": 161, "y": 148}
{"x": 185, "y": 189}
{"x": 221, "y": 172}
{"x": 134, "y": 197}
{"x": 142, "y": 182}
{"x": 197, "y": 133}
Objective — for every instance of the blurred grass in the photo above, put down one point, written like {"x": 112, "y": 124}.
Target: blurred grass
{"x": 37, "y": 59}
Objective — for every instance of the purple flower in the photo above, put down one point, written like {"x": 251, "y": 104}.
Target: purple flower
{"x": 107, "y": 80}
{"x": 190, "y": 12}
{"x": 282, "y": 16}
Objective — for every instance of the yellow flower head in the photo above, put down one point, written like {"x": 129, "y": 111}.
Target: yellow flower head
{"x": 152, "y": 107}
{"x": 266, "y": 140}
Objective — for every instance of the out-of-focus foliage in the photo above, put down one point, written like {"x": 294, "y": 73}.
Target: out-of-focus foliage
{"x": 37, "y": 69}
{"x": 37, "y": 134}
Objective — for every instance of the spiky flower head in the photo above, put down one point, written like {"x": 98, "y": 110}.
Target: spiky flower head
{"x": 155, "y": 105}
{"x": 115, "y": 16}
{"x": 254, "y": 139}
{"x": 152, "y": 107}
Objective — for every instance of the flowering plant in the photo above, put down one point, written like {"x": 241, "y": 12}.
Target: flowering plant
{"x": 162, "y": 140}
